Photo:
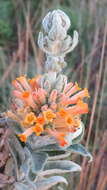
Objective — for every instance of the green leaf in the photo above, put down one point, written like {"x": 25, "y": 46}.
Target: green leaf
{"x": 78, "y": 148}
{"x": 60, "y": 166}
{"x": 49, "y": 182}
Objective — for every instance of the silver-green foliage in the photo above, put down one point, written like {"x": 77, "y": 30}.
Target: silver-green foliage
{"x": 37, "y": 165}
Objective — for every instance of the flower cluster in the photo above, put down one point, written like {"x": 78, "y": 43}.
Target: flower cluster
{"x": 53, "y": 111}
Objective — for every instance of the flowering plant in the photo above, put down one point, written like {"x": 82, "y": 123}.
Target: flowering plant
{"x": 48, "y": 109}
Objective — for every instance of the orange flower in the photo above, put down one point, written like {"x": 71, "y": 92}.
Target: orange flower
{"x": 40, "y": 120}
{"x": 62, "y": 112}
{"x": 83, "y": 105}
{"x": 68, "y": 86}
{"x": 59, "y": 136}
{"x": 33, "y": 83}
{"x": 80, "y": 108}
{"x": 80, "y": 95}
{"x": 30, "y": 118}
{"x": 53, "y": 96}
{"x": 25, "y": 94}
{"x": 22, "y": 137}
{"x": 63, "y": 142}
{"x": 28, "y": 99}
{"x": 17, "y": 85}
{"x": 69, "y": 120}
{"x": 23, "y": 81}
{"x": 49, "y": 115}
{"x": 74, "y": 89}
{"x": 38, "y": 129}
{"x": 27, "y": 133}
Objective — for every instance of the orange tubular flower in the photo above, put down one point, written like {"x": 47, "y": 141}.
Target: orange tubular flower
{"x": 74, "y": 89}
{"x": 30, "y": 118}
{"x": 40, "y": 120}
{"x": 53, "y": 96}
{"x": 34, "y": 82}
{"x": 59, "y": 136}
{"x": 42, "y": 95}
{"x": 68, "y": 86}
{"x": 62, "y": 112}
{"x": 27, "y": 133}
{"x": 23, "y": 137}
{"x": 82, "y": 94}
{"x": 16, "y": 84}
{"x": 55, "y": 112}
{"x": 28, "y": 99}
{"x": 38, "y": 129}
{"x": 25, "y": 94}
{"x": 80, "y": 108}
{"x": 69, "y": 120}
{"x": 49, "y": 115}
{"x": 23, "y": 82}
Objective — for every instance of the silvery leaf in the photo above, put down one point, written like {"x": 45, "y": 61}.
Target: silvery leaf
{"x": 50, "y": 147}
{"x": 49, "y": 182}
{"x": 47, "y": 22}
{"x": 16, "y": 148}
{"x": 38, "y": 161}
{"x": 72, "y": 138}
{"x": 17, "y": 153}
{"x": 62, "y": 166}
{"x": 74, "y": 43}
{"x": 65, "y": 19}
{"x": 80, "y": 149}
{"x": 21, "y": 186}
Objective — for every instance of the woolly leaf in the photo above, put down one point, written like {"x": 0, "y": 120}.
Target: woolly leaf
{"x": 16, "y": 149}
{"x": 27, "y": 166}
{"x": 49, "y": 182}
{"x": 38, "y": 142}
{"x": 17, "y": 153}
{"x": 50, "y": 147}
{"x": 43, "y": 184}
{"x": 62, "y": 166}
{"x": 80, "y": 137}
{"x": 21, "y": 186}
{"x": 38, "y": 161}
{"x": 78, "y": 148}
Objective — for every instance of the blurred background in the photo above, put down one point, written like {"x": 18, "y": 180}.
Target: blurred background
{"x": 20, "y": 23}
